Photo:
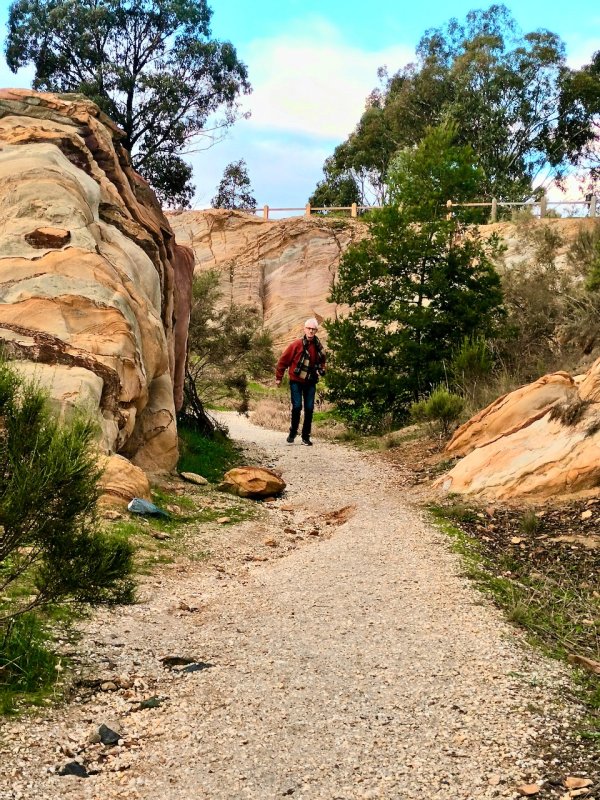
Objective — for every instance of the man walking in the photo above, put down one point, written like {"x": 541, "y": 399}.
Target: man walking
{"x": 305, "y": 361}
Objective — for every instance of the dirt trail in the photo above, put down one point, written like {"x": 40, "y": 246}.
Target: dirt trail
{"x": 360, "y": 664}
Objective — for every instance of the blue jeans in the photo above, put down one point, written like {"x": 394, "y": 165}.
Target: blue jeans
{"x": 302, "y": 393}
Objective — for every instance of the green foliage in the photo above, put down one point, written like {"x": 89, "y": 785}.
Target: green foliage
{"x": 441, "y": 407}
{"x": 591, "y": 261}
{"x": 414, "y": 291}
{"x": 338, "y": 188}
{"x": 150, "y": 65}
{"x": 580, "y": 92}
{"x": 53, "y": 555}
{"x": 584, "y": 251}
{"x": 228, "y": 346}
{"x": 549, "y": 318}
{"x": 471, "y": 365}
{"x": 209, "y": 457}
{"x": 425, "y": 176}
{"x": 27, "y": 663}
{"x": 511, "y": 97}
{"x": 51, "y": 550}
{"x": 234, "y": 190}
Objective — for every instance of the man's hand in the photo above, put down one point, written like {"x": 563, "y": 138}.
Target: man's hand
{"x": 277, "y": 383}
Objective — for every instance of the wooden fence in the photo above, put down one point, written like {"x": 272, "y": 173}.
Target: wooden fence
{"x": 543, "y": 205}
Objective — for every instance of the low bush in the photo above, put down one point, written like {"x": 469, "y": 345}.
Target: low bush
{"x": 28, "y": 665}
{"x": 442, "y": 408}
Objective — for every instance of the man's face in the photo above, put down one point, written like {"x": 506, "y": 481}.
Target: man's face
{"x": 309, "y": 332}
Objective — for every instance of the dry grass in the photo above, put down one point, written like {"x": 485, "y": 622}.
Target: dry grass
{"x": 272, "y": 412}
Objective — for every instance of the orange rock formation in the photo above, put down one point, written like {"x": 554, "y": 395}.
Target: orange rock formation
{"x": 94, "y": 292}
{"x": 282, "y": 267}
{"x": 539, "y": 442}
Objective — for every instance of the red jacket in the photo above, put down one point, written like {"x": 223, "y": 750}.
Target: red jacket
{"x": 292, "y": 355}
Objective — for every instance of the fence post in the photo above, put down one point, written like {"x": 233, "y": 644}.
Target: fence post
{"x": 593, "y": 201}
{"x": 494, "y": 214}
{"x": 353, "y": 210}
{"x": 265, "y": 212}
{"x": 449, "y": 207}
{"x": 307, "y": 210}
{"x": 543, "y": 206}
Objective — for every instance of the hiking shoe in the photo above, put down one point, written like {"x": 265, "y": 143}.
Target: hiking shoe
{"x": 307, "y": 441}
{"x": 290, "y": 439}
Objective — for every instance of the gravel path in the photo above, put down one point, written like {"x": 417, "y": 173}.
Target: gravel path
{"x": 358, "y": 665}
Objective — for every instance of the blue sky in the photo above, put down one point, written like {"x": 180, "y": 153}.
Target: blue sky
{"x": 312, "y": 65}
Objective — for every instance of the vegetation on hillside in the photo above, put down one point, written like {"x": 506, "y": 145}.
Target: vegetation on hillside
{"x": 414, "y": 292}
{"x": 416, "y": 289}
{"x": 228, "y": 346}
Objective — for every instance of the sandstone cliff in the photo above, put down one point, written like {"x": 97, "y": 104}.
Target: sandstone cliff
{"x": 94, "y": 292}
{"x": 282, "y": 267}
{"x": 285, "y": 267}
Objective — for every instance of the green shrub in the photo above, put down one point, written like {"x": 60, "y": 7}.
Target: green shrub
{"x": 471, "y": 365}
{"x": 227, "y": 347}
{"x": 442, "y": 408}
{"x": 51, "y": 548}
{"x": 54, "y": 558}
{"x": 27, "y": 664}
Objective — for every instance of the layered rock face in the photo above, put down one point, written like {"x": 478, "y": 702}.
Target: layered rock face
{"x": 539, "y": 442}
{"x": 94, "y": 292}
{"x": 284, "y": 268}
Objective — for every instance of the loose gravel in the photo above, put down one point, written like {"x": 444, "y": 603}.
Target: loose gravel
{"x": 356, "y": 662}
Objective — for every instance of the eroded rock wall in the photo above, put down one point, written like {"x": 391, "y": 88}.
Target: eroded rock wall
{"x": 284, "y": 268}
{"x": 94, "y": 292}
{"x": 539, "y": 442}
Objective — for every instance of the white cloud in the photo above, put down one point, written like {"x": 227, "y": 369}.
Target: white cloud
{"x": 580, "y": 50}
{"x": 311, "y": 82}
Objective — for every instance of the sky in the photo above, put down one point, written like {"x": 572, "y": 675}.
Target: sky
{"x": 312, "y": 64}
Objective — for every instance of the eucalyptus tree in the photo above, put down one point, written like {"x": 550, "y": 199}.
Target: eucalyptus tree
{"x": 510, "y": 95}
{"x": 151, "y": 65}
{"x": 235, "y": 189}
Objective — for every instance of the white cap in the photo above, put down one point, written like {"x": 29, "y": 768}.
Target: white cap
{"x": 311, "y": 323}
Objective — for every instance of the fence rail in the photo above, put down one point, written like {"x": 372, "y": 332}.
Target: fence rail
{"x": 308, "y": 209}
{"x": 591, "y": 203}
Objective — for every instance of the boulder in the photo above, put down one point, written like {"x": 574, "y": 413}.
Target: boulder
{"x": 121, "y": 481}
{"x": 253, "y": 482}
{"x": 512, "y": 412}
{"x": 539, "y": 442}
{"x": 94, "y": 292}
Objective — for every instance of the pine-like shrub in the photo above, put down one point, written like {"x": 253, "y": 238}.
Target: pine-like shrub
{"x": 52, "y": 550}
